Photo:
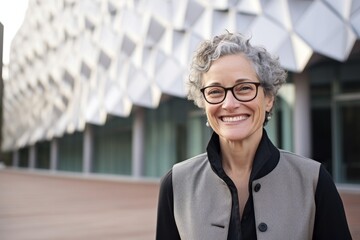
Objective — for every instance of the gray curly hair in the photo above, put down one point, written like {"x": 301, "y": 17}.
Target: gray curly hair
{"x": 271, "y": 75}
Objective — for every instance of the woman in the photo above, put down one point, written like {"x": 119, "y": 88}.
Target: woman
{"x": 243, "y": 187}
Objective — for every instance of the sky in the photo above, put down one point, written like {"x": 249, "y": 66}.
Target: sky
{"x": 12, "y": 14}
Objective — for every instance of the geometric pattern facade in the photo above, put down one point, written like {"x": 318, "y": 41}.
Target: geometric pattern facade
{"x": 74, "y": 62}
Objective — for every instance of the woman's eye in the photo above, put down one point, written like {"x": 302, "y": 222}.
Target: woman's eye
{"x": 216, "y": 91}
{"x": 244, "y": 88}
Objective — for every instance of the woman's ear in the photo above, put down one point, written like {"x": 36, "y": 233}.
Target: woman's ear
{"x": 269, "y": 103}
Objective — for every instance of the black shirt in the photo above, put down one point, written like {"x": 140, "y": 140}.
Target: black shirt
{"x": 330, "y": 220}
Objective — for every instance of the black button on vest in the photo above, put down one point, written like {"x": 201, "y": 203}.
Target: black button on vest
{"x": 262, "y": 227}
{"x": 257, "y": 187}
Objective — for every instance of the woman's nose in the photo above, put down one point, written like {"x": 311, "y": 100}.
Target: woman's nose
{"x": 230, "y": 101}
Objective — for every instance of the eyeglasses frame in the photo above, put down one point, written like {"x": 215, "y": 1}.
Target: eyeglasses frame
{"x": 257, "y": 84}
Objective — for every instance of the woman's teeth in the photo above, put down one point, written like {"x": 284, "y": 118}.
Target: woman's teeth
{"x": 234, "y": 119}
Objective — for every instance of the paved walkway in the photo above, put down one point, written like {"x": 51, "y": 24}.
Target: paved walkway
{"x": 37, "y": 206}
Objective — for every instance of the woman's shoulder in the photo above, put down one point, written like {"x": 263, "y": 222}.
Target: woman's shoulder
{"x": 182, "y": 168}
{"x": 296, "y": 165}
{"x": 192, "y": 162}
{"x": 190, "y": 168}
{"x": 298, "y": 159}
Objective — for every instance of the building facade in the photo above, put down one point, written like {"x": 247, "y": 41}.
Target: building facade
{"x": 98, "y": 87}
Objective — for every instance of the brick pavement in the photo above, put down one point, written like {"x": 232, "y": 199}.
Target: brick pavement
{"x": 351, "y": 200}
{"x": 37, "y": 206}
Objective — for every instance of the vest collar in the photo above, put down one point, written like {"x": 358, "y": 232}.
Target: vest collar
{"x": 266, "y": 157}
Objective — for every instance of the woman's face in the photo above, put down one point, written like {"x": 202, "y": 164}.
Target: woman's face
{"x": 231, "y": 119}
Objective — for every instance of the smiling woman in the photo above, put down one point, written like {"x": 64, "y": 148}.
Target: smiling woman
{"x": 244, "y": 187}
{"x": 237, "y": 118}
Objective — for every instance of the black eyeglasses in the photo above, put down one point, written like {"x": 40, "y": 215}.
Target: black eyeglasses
{"x": 243, "y": 92}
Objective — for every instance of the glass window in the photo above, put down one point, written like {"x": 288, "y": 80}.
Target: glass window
{"x": 335, "y": 102}
{"x": 321, "y": 128}
{"x": 349, "y": 77}
{"x": 24, "y": 157}
{"x": 350, "y": 119}
{"x": 43, "y": 155}
{"x": 321, "y": 136}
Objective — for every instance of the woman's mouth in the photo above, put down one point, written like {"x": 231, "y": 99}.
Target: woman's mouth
{"x": 234, "y": 118}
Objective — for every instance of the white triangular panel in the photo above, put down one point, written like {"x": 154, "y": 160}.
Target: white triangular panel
{"x": 178, "y": 11}
{"x": 279, "y": 11}
{"x": 193, "y": 42}
{"x": 325, "y": 32}
{"x": 167, "y": 75}
{"x": 287, "y": 55}
{"x": 355, "y": 7}
{"x": 249, "y": 7}
{"x": 297, "y": 9}
{"x": 266, "y": 33}
{"x": 160, "y": 9}
{"x": 23, "y": 139}
{"x": 343, "y": 7}
{"x": 302, "y": 50}
{"x": 179, "y": 86}
{"x": 140, "y": 89}
{"x": 220, "y": 4}
{"x": 220, "y": 22}
{"x": 243, "y": 22}
{"x": 166, "y": 43}
{"x": 355, "y": 22}
{"x": 181, "y": 48}
{"x": 95, "y": 113}
{"x": 202, "y": 26}
{"x": 294, "y": 53}
{"x": 340, "y": 45}
{"x": 116, "y": 102}
{"x": 194, "y": 11}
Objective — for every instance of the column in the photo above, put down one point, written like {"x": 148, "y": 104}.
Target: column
{"x": 15, "y": 158}
{"x": 88, "y": 149}
{"x": 138, "y": 143}
{"x": 54, "y": 149}
{"x": 302, "y": 117}
{"x": 287, "y": 134}
{"x": 32, "y": 156}
{"x": 338, "y": 169}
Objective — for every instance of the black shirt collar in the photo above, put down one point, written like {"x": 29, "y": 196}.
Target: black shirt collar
{"x": 266, "y": 157}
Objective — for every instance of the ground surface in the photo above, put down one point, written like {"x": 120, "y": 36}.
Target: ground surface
{"x": 37, "y": 206}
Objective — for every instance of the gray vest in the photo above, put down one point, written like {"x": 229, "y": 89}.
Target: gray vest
{"x": 284, "y": 202}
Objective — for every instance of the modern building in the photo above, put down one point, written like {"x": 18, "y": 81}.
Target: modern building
{"x": 99, "y": 86}
{"x": 1, "y": 77}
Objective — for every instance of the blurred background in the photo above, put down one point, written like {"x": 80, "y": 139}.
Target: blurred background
{"x": 97, "y": 87}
